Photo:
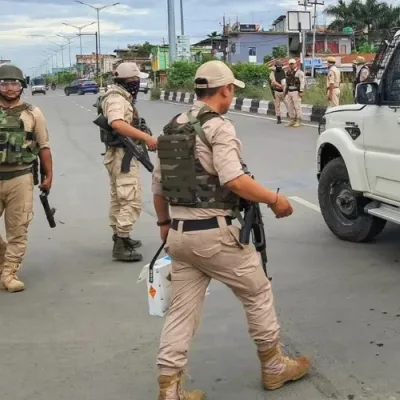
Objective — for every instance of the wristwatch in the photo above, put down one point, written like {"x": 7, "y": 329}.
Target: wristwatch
{"x": 163, "y": 223}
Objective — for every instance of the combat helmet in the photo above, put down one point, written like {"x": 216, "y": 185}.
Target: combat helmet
{"x": 11, "y": 72}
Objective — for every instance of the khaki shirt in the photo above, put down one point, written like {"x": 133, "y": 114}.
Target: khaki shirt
{"x": 333, "y": 77}
{"x": 223, "y": 161}
{"x": 117, "y": 106}
{"x": 35, "y": 122}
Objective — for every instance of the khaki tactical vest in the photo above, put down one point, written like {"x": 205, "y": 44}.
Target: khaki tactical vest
{"x": 184, "y": 181}
{"x": 16, "y": 146}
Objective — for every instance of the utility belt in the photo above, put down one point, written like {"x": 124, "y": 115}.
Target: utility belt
{"x": 199, "y": 224}
{"x": 7, "y": 175}
{"x": 293, "y": 89}
{"x": 278, "y": 90}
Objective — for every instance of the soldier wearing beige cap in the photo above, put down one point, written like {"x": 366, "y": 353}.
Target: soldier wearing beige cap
{"x": 198, "y": 180}
{"x": 294, "y": 91}
{"x": 333, "y": 83}
{"x": 117, "y": 105}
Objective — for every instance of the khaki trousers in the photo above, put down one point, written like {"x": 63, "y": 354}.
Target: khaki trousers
{"x": 125, "y": 192}
{"x": 16, "y": 202}
{"x": 335, "y": 98}
{"x": 294, "y": 106}
{"x": 279, "y": 97}
{"x": 197, "y": 257}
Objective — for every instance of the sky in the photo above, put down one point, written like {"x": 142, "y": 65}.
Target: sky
{"x": 29, "y": 28}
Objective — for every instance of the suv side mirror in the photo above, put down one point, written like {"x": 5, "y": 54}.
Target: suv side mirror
{"x": 367, "y": 93}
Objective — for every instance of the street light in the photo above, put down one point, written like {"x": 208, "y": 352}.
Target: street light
{"x": 98, "y": 9}
{"x": 69, "y": 49}
{"x": 80, "y": 31}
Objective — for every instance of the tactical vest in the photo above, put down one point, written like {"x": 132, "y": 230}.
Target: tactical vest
{"x": 184, "y": 181}
{"x": 111, "y": 139}
{"x": 292, "y": 81}
{"x": 16, "y": 146}
{"x": 279, "y": 77}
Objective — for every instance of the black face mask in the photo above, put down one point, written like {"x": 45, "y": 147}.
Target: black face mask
{"x": 278, "y": 69}
{"x": 131, "y": 87}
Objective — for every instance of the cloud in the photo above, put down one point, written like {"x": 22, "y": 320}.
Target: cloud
{"x": 133, "y": 21}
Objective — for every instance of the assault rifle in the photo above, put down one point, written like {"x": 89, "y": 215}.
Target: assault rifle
{"x": 43, "y": 194}
{"x": 132, "y": 148}
{"x": 254, "y": 224}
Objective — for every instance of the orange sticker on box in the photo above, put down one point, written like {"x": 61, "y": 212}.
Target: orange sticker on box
{"x": 152, "y": 292}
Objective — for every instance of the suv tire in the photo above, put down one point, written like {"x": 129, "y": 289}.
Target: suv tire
{"x": 342, "y": 208}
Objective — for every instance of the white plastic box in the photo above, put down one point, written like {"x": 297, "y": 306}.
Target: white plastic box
{"x": 159, "y": 292}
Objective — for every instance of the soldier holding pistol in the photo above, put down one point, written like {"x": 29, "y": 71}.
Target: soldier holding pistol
{"x": 199, "y": 175}
{"x": 23, "y": 138}
{"x": 117, "y": 105}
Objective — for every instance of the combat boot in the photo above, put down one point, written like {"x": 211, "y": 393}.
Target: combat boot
{"x": 291, "y": 123}
{"x": 276, "y": 369}
{"x": 297, "y": 123}
{"x": 123, "y": 250}
{"x": 134, "y": 243}
{"x": 10, "y": 279}
{"x": 278, "y": 120}
{"x": 171, "y": 388}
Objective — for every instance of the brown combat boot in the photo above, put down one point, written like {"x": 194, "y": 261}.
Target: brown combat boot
{"x": 276, "y": 369}
{"x": 171, "y": 388}
{"x": 291, "y": 123}
{"x": 10, "y": 279}
{"x": 297, "y": 123}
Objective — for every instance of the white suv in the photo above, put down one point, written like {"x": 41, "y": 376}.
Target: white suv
{"x": 358, "y": 155}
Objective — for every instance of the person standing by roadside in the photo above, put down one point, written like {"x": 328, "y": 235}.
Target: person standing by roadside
{"x": 295, "y": 83}
{"x": 333, "y": 83}
{"x": 277, "y": 79}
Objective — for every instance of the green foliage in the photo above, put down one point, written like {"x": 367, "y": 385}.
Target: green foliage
{"x": 251, "y": 74}
{"x": 155, "y": 93}
{"x": 367, "y": 48}
{"x": 181, "y": 75}
{"x": 280, "y": 51}
{"x": 268, "y": 58}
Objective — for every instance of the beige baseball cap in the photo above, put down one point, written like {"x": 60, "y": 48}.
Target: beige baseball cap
{"x": 127, "y": 70}
{"x": 217, "y": 74}
{"x": 292, "y": 61}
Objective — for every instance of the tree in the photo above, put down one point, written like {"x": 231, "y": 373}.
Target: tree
{"x": 371, "y": 17}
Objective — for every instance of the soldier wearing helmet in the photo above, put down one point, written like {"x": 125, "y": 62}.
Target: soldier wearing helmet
{"x": 24, "y": 138}
{"x": 277, "y": 79}
{"x": 117, "y": 105}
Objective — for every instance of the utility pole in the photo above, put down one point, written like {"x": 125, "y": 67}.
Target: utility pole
{"x": 182, "y": 20}
{"x": 171, "y": 31}
{"x": 69, "y": 50}
{"x": 314, "y": 3}
{"x": 303, "y": 39}
{"x": 97, "y": 52}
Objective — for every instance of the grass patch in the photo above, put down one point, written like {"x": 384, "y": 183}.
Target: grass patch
{"x": 316, "y": 94}
{"x": 155, "y": 93}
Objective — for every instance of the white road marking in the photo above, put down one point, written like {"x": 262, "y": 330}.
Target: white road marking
{"x": 305, "y": 203}
{"x": 82, "y": 107}
{"x": 245, "y": 115}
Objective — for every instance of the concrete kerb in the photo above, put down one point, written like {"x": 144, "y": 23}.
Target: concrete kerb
{"x": 310, "y": 113}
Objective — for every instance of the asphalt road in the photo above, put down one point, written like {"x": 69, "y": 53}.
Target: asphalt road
{"x": 81, "y": 329}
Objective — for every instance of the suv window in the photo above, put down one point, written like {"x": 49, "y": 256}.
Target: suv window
{"x": 391, "y": 81}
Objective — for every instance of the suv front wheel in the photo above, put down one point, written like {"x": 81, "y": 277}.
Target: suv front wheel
{"x": 342, "y": 208}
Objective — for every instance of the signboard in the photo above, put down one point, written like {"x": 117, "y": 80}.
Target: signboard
{"x": 250, "y": 28}
{"x": 183, "y": 47}
{"x": 318, "y": 63}
{"x": 296, "y": 17}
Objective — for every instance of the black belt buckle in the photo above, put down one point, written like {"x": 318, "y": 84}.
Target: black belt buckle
{"x": 199, "y": 224}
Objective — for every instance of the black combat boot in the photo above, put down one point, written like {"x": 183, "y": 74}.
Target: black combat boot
{"x": 278, "y": 120}
{"x": 123, "y": 250}
{"x": 134, "y": 243}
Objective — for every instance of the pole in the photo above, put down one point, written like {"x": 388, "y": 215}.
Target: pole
{"x": 171, "y": 31}
{"x": 315, "y": 3}
{"x": 182, "y": 20}
{"x": 97, "y": 56}
{"x": 69, "y": 50}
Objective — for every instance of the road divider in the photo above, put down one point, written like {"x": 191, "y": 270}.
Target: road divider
{"x": 263, "y": 107}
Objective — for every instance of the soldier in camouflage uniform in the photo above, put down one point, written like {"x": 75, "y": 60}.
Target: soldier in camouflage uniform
{"x": 23, "y": 138}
